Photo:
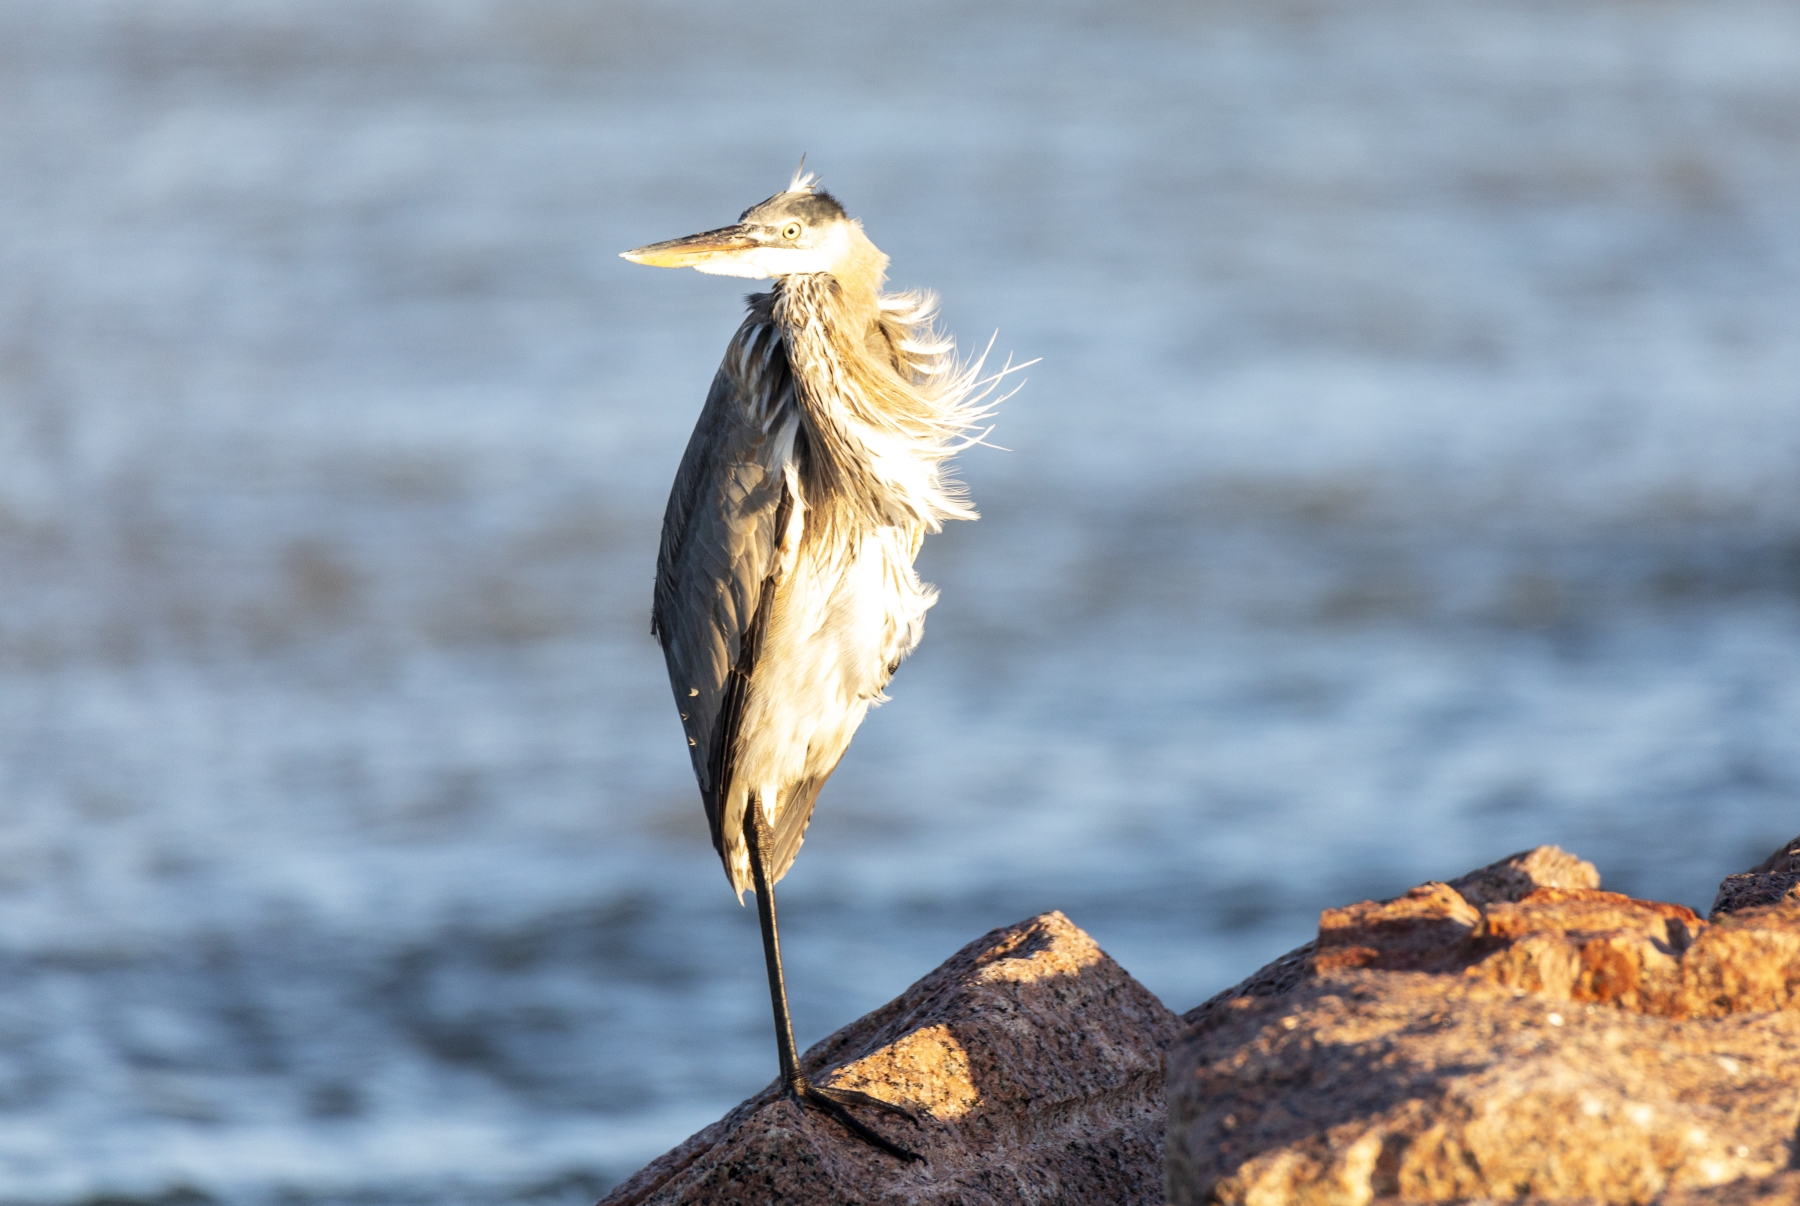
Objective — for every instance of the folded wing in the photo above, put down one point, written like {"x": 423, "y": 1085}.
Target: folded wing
{"x": 718, "y": 564}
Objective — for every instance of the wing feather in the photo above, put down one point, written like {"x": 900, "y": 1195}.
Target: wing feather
{"x": 716, "y": 568}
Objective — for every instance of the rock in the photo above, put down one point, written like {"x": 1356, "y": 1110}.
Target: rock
{"x": 1511, "y": 878}
{"x": 1782, "y": 1189}
{"x": 1035, "y": 1064}
{"x": 1439, "y": 1089}
{"x": 1518, "y": 875}
{"x": 1775, "y": 879}
{"x": 1501, "y": 1036}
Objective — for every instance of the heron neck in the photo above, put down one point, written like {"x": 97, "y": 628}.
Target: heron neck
{"x": 859, "y": 270}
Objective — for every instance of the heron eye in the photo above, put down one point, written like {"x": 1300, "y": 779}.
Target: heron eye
{"x": 791, "y": 230}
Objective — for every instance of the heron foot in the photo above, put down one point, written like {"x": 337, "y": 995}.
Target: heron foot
{"x": 833, "y": 1103}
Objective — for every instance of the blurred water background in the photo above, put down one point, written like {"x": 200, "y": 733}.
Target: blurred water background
{"x": 1410, "y": 477}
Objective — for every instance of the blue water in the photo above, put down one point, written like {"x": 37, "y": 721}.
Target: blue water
{"x": 1412, "y": 475}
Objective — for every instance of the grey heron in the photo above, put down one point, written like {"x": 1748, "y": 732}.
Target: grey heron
{"x": 785, "y": 591}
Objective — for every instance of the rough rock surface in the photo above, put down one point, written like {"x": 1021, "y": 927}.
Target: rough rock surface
{"x": 1516, "y": 1034}
{"x": 1776, "y": 878}
{"x": 1035, "y": 1064}
{"x": 1511, "y": 878}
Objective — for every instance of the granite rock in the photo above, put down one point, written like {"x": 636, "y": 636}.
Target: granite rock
{"x": 1032, "y": 1059}
{"x": 1518, "y": 875}
{"x": 1509, "y": 879}
{"x": 1775, "y": 879}
{"x": 1515, "y": 1034}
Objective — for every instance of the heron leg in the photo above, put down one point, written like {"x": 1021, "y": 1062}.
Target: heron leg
{"x": 828, "y": 1101}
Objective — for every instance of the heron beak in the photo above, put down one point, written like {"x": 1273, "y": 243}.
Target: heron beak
{"x": 693, "y": 250}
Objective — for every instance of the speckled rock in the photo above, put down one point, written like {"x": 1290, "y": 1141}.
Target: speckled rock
{"x": 1509, "y": 879}
{"x": 1775, "y": 879}
{"x": 1500, "y": 1037}
{"x": 1518, "y": 875}
{"x": 1034, "y": 1061}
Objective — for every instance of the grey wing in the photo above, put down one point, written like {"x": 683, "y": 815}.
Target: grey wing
{"x": 720, "y": 540}
{"x": 791, "y": 822}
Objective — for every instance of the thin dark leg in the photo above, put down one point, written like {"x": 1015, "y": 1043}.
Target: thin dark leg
{"x": 827, "y": 1101}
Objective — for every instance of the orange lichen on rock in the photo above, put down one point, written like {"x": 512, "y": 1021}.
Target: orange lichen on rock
{"x": 1576, "y": 944}
{"x": 1744, "y": 961}
{"x": 1588, "y": 946}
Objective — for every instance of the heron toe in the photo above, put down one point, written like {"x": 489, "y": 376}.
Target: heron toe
{"x": 834, "y": 1104}
{"x": 851, "y": 1097}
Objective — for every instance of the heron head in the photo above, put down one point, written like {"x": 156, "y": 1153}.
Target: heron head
{"x": 801, "y": 229}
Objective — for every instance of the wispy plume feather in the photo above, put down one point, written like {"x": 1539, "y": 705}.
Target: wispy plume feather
{"x": 803, "y": 180}
{"x": 881, "y": 433}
